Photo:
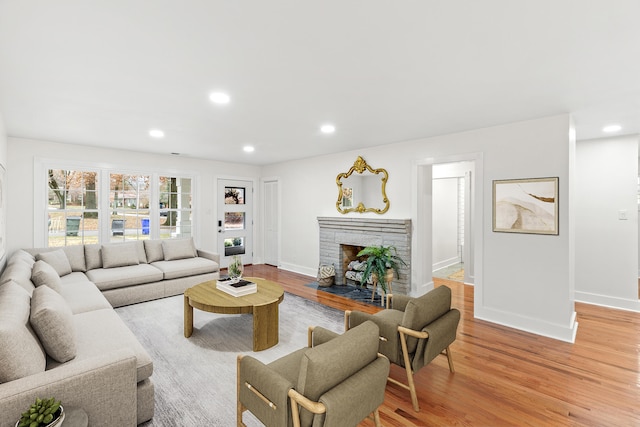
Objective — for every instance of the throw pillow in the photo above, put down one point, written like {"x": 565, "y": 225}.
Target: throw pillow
{"x": 58, "y": 260}
{"x": 178, "y": 249}
{"x": 75, "y": 254}
{"x": 52, "y": 320}
{"x": 44, "y": 274}
{"x": 21, "y": 354}
{"x": 120, "y": 255}
{"x": 153, "y": 249}
{"x": 93, "y": 254}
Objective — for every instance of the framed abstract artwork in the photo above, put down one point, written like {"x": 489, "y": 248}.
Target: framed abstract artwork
{"x": 526, "y": 206}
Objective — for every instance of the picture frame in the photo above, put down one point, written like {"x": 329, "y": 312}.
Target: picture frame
{"x": 528, "y": 206}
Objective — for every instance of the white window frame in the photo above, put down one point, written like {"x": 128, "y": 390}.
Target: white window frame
{"x": 104, "y": 171}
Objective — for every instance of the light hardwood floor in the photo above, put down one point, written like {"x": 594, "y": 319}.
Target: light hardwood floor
{"x": 506, "y": 377}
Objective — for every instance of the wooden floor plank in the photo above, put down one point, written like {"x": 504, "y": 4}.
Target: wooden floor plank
{"x": 507, "y": 377}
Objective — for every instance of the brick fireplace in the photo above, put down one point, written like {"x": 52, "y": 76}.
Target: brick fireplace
{"x": 341, "y": 238}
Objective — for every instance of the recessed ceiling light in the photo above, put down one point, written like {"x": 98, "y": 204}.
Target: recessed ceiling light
{"x": 248, "y": 149}
{"x": 220, "y": 98}
{"x": 156, "y": 133}
{"x": 611, "y": 128}
{"x": 328, "y": 128}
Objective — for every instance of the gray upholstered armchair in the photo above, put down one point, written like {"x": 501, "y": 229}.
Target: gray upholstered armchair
{"x": 335, "y": 382}
{"x": 413, "y": 331}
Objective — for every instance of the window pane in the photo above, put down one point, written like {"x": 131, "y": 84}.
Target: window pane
{"x": 234, "y": 246}
{"x": 234, "y": 196}
{"x": 234, "y": 220}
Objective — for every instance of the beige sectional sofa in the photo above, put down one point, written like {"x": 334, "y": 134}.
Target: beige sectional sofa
{"x": 60, "y": 336}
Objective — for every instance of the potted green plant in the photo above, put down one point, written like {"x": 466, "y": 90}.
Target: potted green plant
{"x": 382, "y": 263}
{"x": 43, "y": 412}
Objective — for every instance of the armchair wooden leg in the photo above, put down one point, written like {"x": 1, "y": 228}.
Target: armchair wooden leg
{"x": 407, "y": 366}
{"x": 240, "y": 407}
{"x": 376, "y": 418}
{"x": 449, "y": 359}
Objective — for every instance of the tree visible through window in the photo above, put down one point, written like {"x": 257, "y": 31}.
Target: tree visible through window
{"x": 72, "y": 207}
{"x": 175, "y": 207}
{"x": 129, "y": 206}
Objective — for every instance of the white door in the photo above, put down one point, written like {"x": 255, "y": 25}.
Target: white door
{"x": 235, "y": 220}
{"x": 271, "y": 217}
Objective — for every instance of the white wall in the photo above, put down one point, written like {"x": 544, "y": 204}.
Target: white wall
{"x": 445, "y": 222}
{"x": 525, "y": 281}
{"x": 3, "y": 196}
{"x": 22, "y": 155}
{"x": 606, "y": 246}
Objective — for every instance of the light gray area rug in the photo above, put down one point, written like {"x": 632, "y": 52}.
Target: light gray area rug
{"x": 195, "y": 378}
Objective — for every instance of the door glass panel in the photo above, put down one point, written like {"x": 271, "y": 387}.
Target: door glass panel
{"x": 234, "y": 246}
{"x": 233, "y": 196}
{"x": 234, "y": 220}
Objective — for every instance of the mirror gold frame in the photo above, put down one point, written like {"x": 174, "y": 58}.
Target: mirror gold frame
{"x": 360, "y": 166}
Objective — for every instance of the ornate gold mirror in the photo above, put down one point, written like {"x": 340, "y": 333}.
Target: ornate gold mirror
{"x": 363, "y": 191}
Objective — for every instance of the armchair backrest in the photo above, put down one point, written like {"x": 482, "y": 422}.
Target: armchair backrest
{"x": 425, "y": 309}
{"x": 329, "y": 364}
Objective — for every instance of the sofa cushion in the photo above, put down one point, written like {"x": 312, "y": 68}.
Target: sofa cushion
{"x": 21, "y": 354}
{"x": 423, "y": 310}
{"x": 44, "y": 274}
{"x": 19, "y": 272}
{"x": 178, "y": 249}
{"x": 327, "y": 365}
{"x": 111, "y": 278}
{"x": 102, "y": 331}
{"x": 153, "y": 249}
{"x": 93, "y": 256}
{"x": 23, "y": 255}
{"x": 75, "y": 254}
{"x": 57, "y": 259}
{"x": 83, "y": 296}
{"x": 119, "y": 255}
{"x": 52, "y": 320}
{"x": 186, "y": 267}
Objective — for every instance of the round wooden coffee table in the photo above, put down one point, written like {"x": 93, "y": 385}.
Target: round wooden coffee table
{"x": 263, "y": 305}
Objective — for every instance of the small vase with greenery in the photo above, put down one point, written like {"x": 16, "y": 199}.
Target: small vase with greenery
{"x": 43, "y": 412}
{"x": 380, "y": 259}
{"x": 235, "y": 267}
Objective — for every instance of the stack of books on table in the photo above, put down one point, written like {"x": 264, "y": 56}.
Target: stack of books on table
{"x": 237, "y": 288}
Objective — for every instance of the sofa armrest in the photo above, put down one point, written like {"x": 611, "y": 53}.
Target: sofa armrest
{"x": 104, "y": 387}
{"x": 209, "y": 255}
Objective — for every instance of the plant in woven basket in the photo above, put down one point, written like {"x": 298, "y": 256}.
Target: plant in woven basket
{"x": 380, "y": 259}
{"x": 41, "y": 413}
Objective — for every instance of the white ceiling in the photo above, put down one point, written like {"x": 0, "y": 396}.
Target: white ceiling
{"x": 104, "y": 72}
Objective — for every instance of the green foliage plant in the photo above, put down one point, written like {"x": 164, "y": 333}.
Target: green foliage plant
{"x": 40, "y": 413}
{"x": 379, "y": 260}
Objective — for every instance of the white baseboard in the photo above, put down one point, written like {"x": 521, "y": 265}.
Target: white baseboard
{"x": 528, "y": 324}
{"x": 299, "y": 269}
{"x": 627, "y": 304}
{"x": 446, "y": 263}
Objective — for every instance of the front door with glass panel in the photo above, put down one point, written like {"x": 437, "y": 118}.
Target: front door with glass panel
{"x": 235, "y": 220}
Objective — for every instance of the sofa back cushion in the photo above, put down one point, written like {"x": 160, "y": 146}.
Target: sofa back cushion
{"x": 19, "y": 272}
{"x": 93, "y": 256}
{"x": 52, "y": 320}
{"x": 44, "y": 274}
{"x": 21, "y": 354}
{"x": 178, "y": 249}
{"x": 119, "y": 255}
{"x": 58, "y": 260}
{"x": 153, "y": 249}
{"x": 327, "y": 365}
{"x": 423, "y": 310}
